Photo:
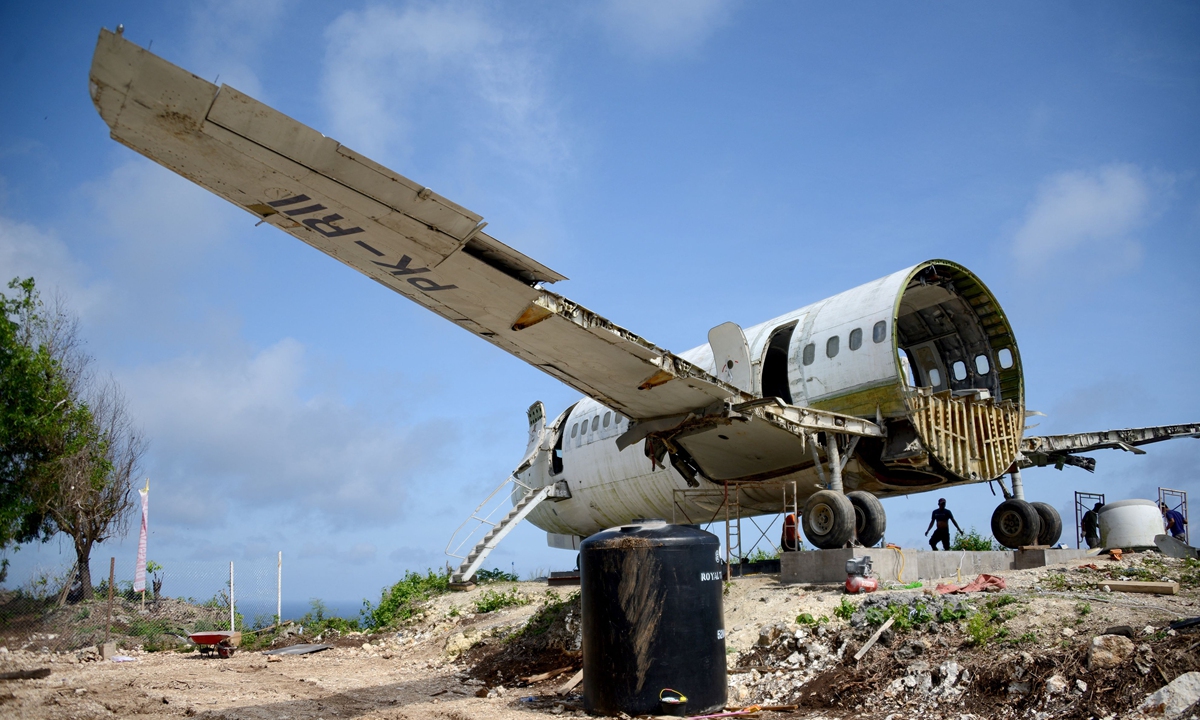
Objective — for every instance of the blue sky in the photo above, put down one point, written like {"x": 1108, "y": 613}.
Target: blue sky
{"x": 684, "y": 163}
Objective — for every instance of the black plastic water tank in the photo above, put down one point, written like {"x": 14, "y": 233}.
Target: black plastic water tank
{"x": 652, "y": 618}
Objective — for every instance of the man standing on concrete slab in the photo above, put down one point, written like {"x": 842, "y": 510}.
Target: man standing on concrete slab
{"x": 943, "y": 518}
{"x": 1091, "y": 526}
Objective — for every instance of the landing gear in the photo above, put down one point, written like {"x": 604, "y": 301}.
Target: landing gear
{"x": 829, "y": 519}
{"x": 1051, "y": 529}
{"x": 870, "y": 521}
{"x": 1016, "y": 523}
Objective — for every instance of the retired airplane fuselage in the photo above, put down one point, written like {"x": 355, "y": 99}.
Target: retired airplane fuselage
{"x": 927, "y": 352}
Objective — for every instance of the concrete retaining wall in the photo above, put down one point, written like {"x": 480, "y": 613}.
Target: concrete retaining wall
{"x": 829, "y": 566}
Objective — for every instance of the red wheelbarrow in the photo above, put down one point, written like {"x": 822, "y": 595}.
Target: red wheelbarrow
{"x": 224, "y": 642}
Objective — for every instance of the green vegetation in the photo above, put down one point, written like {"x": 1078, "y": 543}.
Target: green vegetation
{"x": 974, "y": 541}
{"x": 317, "y": 620}
{"x": 808, "y": 619}
{"x": 68, "y": 448}
{"x": 760, "y": 555}
{"x": 482, "y": 577}
{"x": 1190, "y": 575}
{"x": 986, "y": 624}
{"x": 552, "y": 611}
{"x": 492, "y": 600}
{"x": 1056, "y": 581}
{"x": 904, "y": 616}
{"x": 951, "y": 613}
{"x": 845, "y": 609}
{"x": 1082, "y": 609}
{"x": 400, "y": 601}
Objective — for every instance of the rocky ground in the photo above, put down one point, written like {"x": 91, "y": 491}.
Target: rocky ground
{"x": 1054, "y": 644}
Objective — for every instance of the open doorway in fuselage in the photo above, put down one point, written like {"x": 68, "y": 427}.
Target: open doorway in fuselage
{"x": 556, "y": 455}
{"x": 775, "y": 381}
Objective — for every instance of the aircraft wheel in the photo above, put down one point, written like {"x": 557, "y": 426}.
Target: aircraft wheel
{"x": 1051, "y": 523}
{"x": 1016, "y": 523}
{"x": 870, "y": 520}
{"x": 828, "y": 519}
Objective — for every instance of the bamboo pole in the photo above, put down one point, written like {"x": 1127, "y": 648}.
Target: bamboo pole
{"x": 231, "y": 627}
{"x": 279, "y": 590}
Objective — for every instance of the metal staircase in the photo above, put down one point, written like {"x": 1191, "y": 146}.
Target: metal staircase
{"x": 496, "y": 531}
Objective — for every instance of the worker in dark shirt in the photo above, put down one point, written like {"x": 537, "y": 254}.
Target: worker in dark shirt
{"x": 1091, "y": 526}
{"x": 943, "y": 518}
{"x": 1174, "y": 520}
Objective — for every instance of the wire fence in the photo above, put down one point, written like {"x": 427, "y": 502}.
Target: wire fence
{"x": 51, "y": 611}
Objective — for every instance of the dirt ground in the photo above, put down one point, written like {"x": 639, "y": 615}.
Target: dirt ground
{"x": 450, "y": 663}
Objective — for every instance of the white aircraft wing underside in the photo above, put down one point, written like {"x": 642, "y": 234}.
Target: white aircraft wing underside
{"x": 386, "y": 226}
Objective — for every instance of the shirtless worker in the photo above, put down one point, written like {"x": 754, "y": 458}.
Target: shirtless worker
{"x": 943, "y": 518}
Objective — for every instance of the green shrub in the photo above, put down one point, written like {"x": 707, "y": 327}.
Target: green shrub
{"x": 950, "y": 613}
{"x": 760, "y": 555}
{"x": 492, "y": 600}
{"x": 482, "y": 577}
{"x": 316, "y": 621}
{"x": 1082, "y": 608}
{"x": 974, "y": 541}
{"x": 400, "y": 601}
{"x": 806, "y": 619}
{"x": 845, "y": 609}
{"x": 904, "y": 616}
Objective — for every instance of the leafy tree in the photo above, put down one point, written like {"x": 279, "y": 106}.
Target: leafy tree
{"x": 68, "y": 448}
{"x": 36, "y": 407}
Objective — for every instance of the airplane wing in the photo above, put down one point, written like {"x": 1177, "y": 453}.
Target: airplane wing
{"x": 417, "y": 243}
{"x": 1060, "y": 450}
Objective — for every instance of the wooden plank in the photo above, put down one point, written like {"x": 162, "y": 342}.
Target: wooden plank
{"x": 863, "y": 650}
{"x": 546, "y": 675}
{"x": 1137, "y": 586}
{"x": 569, "y": 685}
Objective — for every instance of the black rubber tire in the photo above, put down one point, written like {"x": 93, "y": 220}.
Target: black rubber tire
{"x": 828, "y": 519}
{"x": 1051, "y": 523}
{"x": 1016, "y": 523}
{"x": 870, "y": 520}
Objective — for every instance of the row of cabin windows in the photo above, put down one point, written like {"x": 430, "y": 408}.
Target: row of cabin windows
{"x": 833, "y": 344}
{"x": 1004, "y": 356}
{"x": 610, "y": 418}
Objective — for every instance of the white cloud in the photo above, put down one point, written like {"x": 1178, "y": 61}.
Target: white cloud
{"x": 665, "y": 27}
{"x": 1086, "y": 212}
{"x": 26, "y": 251}
{"x": 387, "y": 70}
{"x": 243, "y": 430}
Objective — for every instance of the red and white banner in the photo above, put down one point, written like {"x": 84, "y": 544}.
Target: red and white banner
{"x": 139, "y": 574}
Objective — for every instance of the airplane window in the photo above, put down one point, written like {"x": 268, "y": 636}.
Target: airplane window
{"x": 831, "y": 347}
{"x": 607, "y": 418}
{"x": 935, "y": 377}
{"x": 1005, "y": 357}
{"x": 810, "y": 353}
{"x": 617, "y": 419}
{"x": 960, "y": 370}
{"x": 982, "y": 364}
{"x": 574, "y": 429}
{"x": 879, "y": 332}
{"x": 595, "y": 423}
{"x": 855, "y": 338}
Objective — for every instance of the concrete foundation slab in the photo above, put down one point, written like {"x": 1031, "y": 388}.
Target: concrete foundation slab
{"x": 906, "y": 566}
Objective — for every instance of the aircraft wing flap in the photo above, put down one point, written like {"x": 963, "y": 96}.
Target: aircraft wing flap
{"x": 261, "y": 124}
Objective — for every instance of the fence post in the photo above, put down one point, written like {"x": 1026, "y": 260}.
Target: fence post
{"x": 279, "y": 590}
{"x": 231, "y": 627}
{"x": 112, "y": 576}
